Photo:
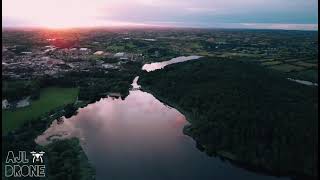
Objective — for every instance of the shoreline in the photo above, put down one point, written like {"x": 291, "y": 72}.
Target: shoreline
{"x": 223, "y": 155}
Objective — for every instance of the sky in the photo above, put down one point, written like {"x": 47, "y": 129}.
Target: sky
{"x": 264, "y": 14}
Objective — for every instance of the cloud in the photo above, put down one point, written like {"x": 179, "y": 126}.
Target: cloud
{"x": 208, "y": 12}
{"x": 280, "y": 26}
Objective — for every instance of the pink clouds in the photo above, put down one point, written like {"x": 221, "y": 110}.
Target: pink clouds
{"x": 285, "y": 14}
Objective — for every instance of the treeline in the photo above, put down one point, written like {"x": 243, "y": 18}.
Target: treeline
{"x": 64, "y": 159}
{"x": 244, "y": 113}
{"x": 92, "y": 84}
{"x": 13, "y": 90}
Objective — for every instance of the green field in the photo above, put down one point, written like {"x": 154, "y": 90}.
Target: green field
{"x": 287, "y": 68}
{"x": 270, "y": 63}
{"x": 50, "y": 98}
{"x": 115, "y": 48}
{"x": 306, "y": 64}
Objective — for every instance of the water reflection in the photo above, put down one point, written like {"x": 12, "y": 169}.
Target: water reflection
{"x": 160, "y": 65}
{"x": 308, "y": 83}
{"x": 135, "y": 84}
{"x": 140, "y": 138}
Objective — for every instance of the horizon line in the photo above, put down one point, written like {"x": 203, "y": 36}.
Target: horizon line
{"x": 150, "y": 26}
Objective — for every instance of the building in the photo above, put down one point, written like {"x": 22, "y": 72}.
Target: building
{"x": 119, "y": 54}
{"x": 5, "y": 104}
{"x": 98, "y": 53}
{"x": 124, "y": 58}
{"x": 83, "y": 49}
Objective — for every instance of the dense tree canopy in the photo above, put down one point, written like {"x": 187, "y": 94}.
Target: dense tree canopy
{"x": 243, "y": 112}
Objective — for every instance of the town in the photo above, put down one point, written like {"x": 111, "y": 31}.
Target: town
{"x": 242, "y": 88}
{"x": 53, "y": 61}
{"x": 36, "y": 53}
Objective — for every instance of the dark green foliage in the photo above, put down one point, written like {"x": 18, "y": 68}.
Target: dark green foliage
{"x": 110, "y": 60}
{"x": 93, "y": 85}
{"x": 244, "y": 112}
{"x": 70, "y": 110}
{"x": 15, "y": 90}
{"x": 97, "y": 83}
{"x": 67, "y": 161}
{"x": 64, "y": 159}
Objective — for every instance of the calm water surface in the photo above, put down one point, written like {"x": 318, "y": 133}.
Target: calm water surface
{"x": 140, "y": 138}
{"x": 160, "y": 65}
{"x": 308, "y": 83}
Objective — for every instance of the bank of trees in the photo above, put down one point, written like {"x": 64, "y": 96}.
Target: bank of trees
{"x": 92, "y": 85}
{"x": 245, "y": 112}
{"x": 64, "y": 159}
{"x": 15, "y": 90}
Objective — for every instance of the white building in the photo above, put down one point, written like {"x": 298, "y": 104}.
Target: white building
{"x": 119, "y": 54}
{"x": 98, "y": 53}
{"x": 83, "y": 49}
{"x": 109, "y": 66}
{"x": 5, "y": 104}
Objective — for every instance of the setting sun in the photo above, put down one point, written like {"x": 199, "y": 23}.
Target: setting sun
{"x": 55, "y": 14}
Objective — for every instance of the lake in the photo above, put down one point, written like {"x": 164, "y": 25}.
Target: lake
{"x": 141, "y": 138}
{"x": 160, "y": 65}
{"x": 308, "y": 83}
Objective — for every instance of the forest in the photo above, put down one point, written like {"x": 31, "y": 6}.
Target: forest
{"x": 243, "y": 112}
{"x": 64, "y": 159}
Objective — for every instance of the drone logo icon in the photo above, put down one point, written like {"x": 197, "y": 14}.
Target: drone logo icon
{"x": 37, "y": 156}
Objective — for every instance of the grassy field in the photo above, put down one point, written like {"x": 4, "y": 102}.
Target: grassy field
{"x": 309, "y": 75}
{"x": 287, "y": 68}
{"x": 306, "y": 64}
{"x": 115, "y": 48}
{"x": 270, "y": 63}
{"x": 50, "y": 98}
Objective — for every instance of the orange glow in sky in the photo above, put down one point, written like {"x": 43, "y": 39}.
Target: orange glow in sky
{"x": 283, "y": 14}
{"x": 54, "y": 14}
